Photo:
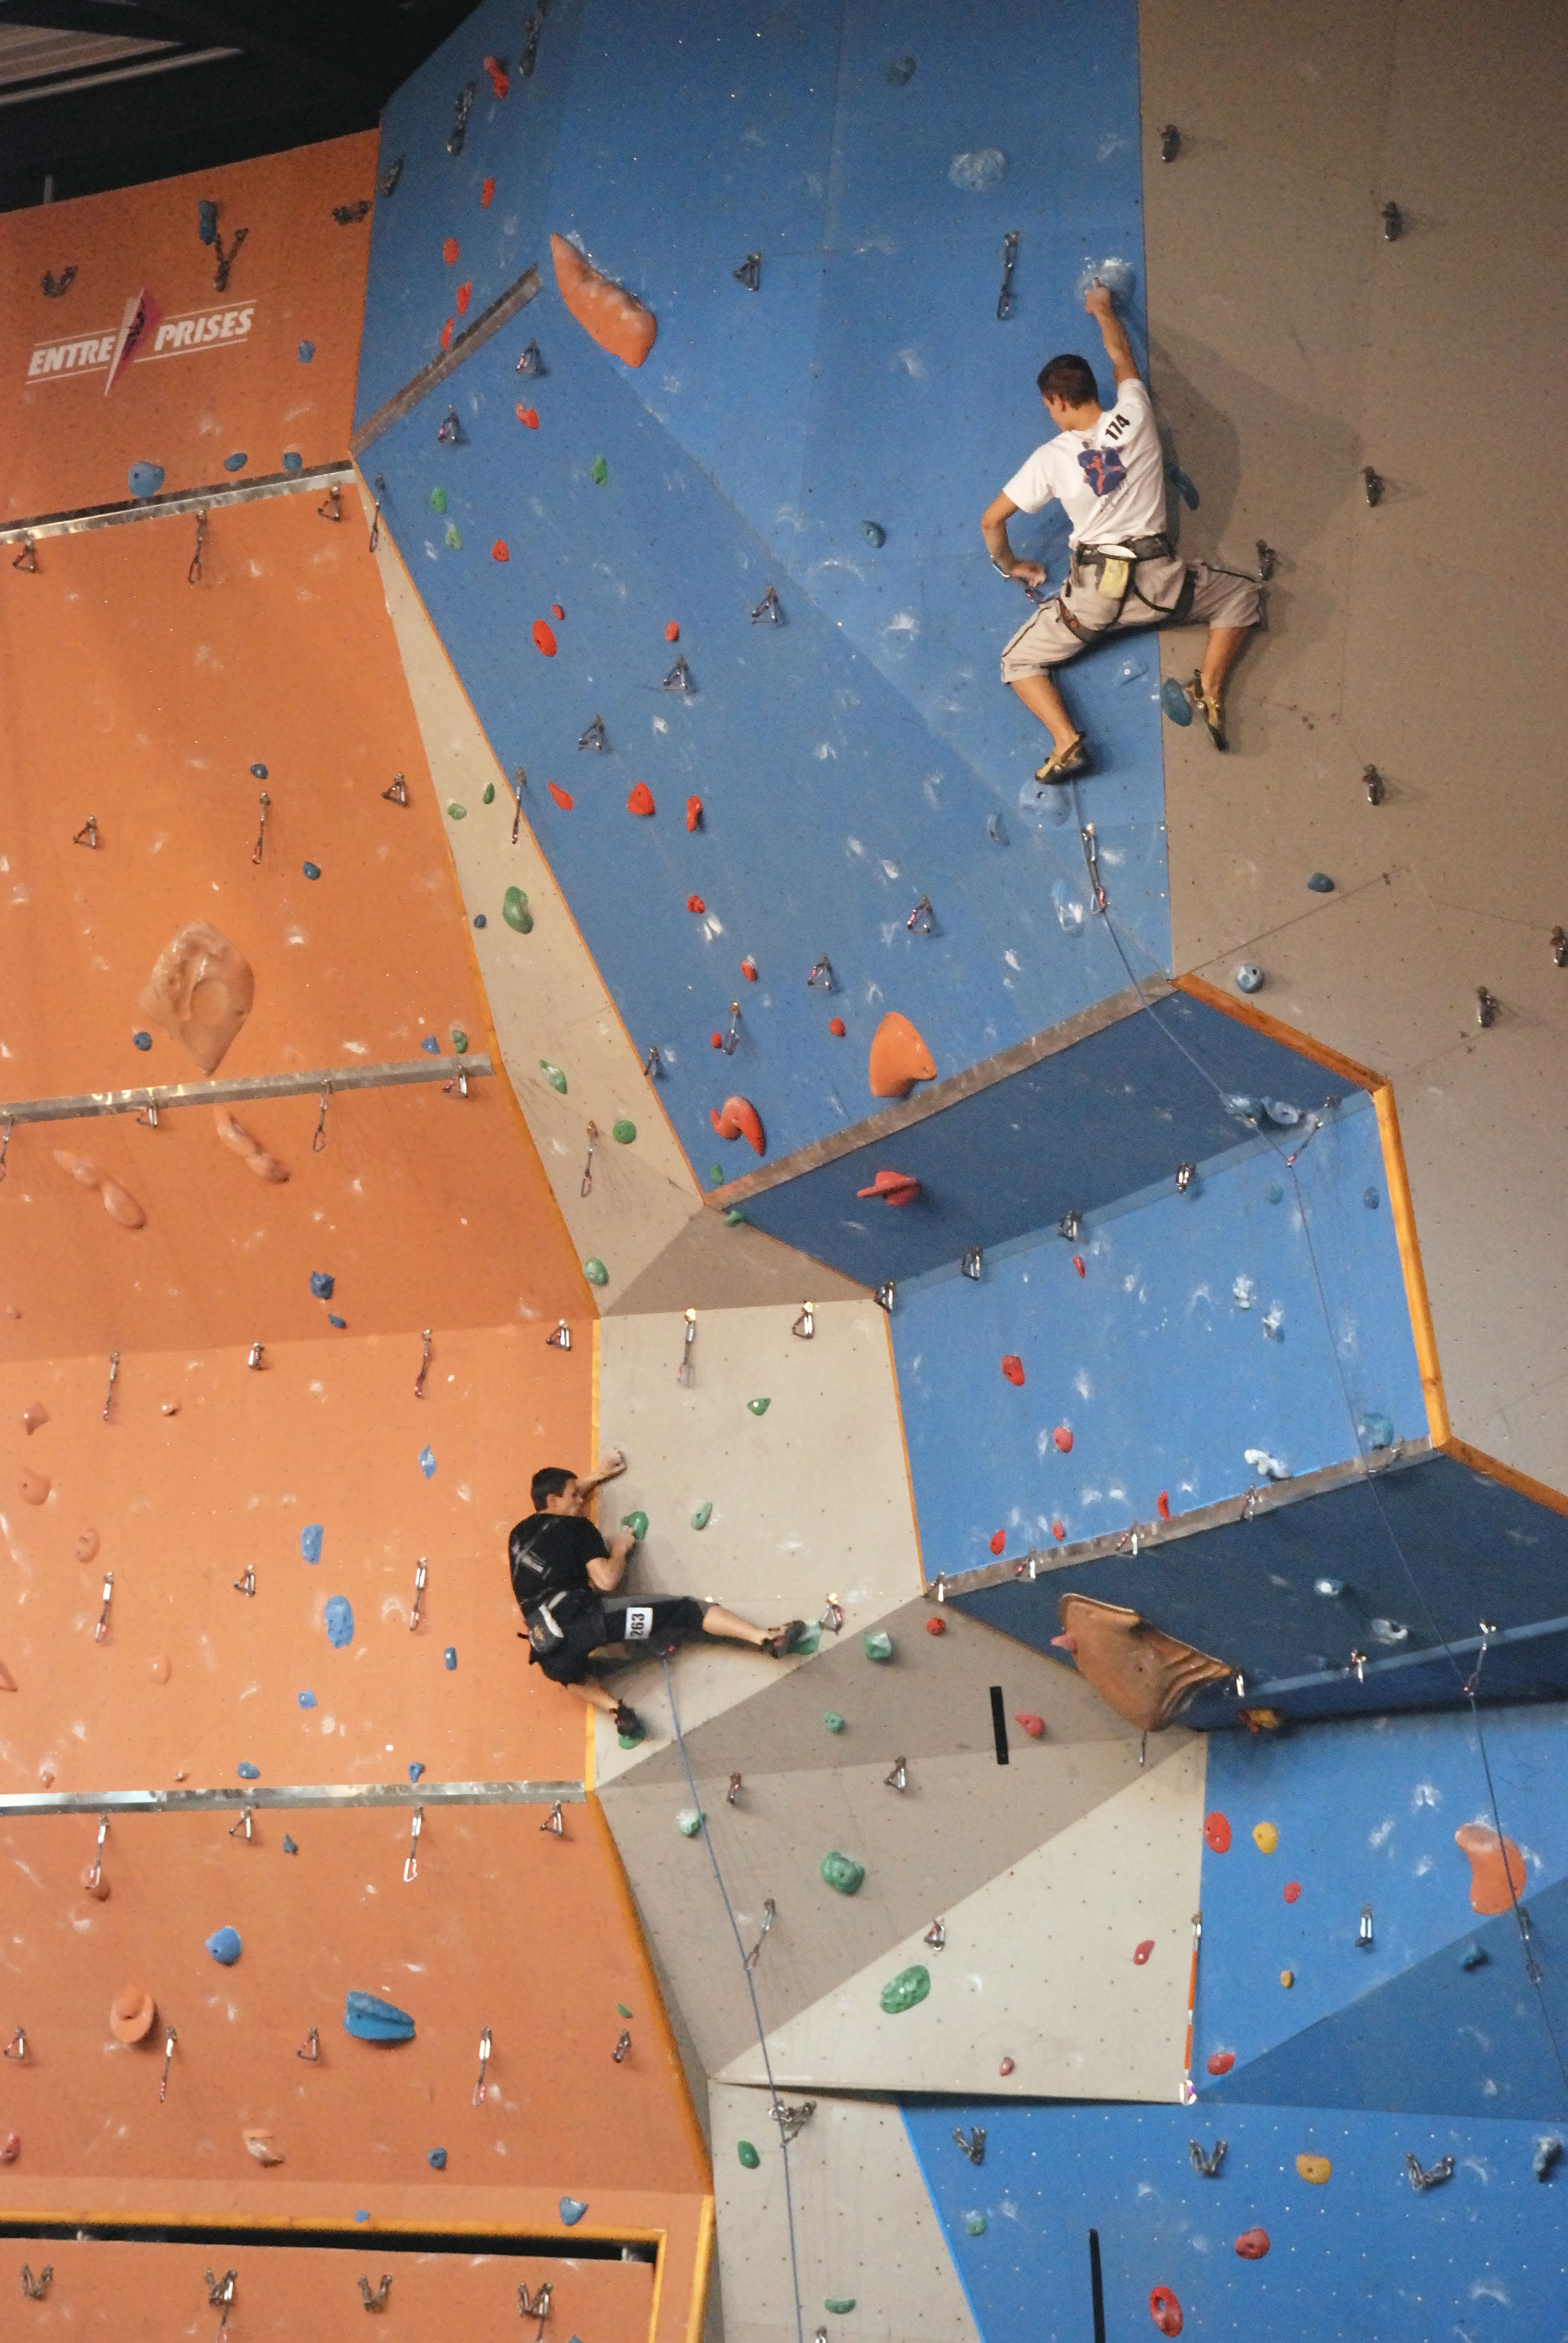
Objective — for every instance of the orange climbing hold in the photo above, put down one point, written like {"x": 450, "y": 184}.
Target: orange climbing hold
{"x": 1163, "y": 1503}
{"x": 446, "y": 332}
{"x": 739, "y": 1118}
{"x": 1063, "y": 1439}
{"x": 605, "y": 312}
{"x": 562, "y": 796}
{"x": 695, "y": 903}
{"x": 1078, "y": 1265}
{"x": 1496, "y": 1867}
{"x": 500, "y": 80}
{"x": 449, "y": 250}
{"x": 1057, "y": 1530}
{"x": 1253, "y": 2245}
{"x": 895, "y": 1188}
{"x": 671, "y": 632}
{"x": 748, "y": 969}
{"x": 1165, "y": 2311}
{"x": 899, "y": 1059}
{"x": 717, "y": 1039}
{"x": 640, "y": 799}
{"x": 997, "y": 1541}
{"x": 530, "y": 416}
{"x": 837, "y": 1027}
{"x": 498, "y": 550}
{"x": 1217, "y": 1833}
{"x": 486, "y": 195}
{"x": 556, "y": 611}
{"x": 544, "y": 637}
{"x": 465, "y": 294}
{"x": 693, "y": 813}
{"x": 1012, "y": 1368}
{"x": 1033, "y": 1726}
{"x": 936, "y": 1626}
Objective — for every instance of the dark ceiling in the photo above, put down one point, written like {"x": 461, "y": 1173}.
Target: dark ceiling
{"x": 98, "y": 94}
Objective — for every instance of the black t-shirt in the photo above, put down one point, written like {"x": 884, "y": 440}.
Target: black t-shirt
{"x": 550, "y": 1552}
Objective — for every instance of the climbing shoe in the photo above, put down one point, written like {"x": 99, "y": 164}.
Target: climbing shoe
{"x": 779, "y": 1644}
{"x": 1213, "y": 711}
{"x": 1065, "y": 764}
{"x": 628, "y": 1725}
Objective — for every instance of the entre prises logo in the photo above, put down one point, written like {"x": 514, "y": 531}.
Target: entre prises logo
{"x": 144, "y": 334}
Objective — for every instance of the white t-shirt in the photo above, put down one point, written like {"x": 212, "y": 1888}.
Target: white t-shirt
{"x": 1110, "y": 478}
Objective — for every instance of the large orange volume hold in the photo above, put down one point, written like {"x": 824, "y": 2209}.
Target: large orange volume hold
{"x": 899, "y": 1059}
{"x": 616, "y": 322}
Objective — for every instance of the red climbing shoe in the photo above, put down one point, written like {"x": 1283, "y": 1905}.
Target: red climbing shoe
{"x": 1065, "y": 764}
{"x": 779, "y": 1642}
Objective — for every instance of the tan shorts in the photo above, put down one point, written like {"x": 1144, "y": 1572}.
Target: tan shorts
{"x": 1046, "y": 640}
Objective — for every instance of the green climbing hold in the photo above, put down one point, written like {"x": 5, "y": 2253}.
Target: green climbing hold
{"x": 459, "y": 1041}
{"x": 747, "y": 2155}
{"x": 841, "y": 2304}
{"x": 453, "y": 539}
{"x": 635, "y": 1522}
{"x": 877, "y": 1646}
{"x": 456, "y": 812}
{"x": 843, "y": 1873}
{"x": 632, "y": 1740}
{"x": 621, "y": 2010}
{"x": 554, "y": 1076}
{"x": 975, "y": 2223}
{"x": 516, "y": 912}
{"x": 832, "y": 1720}
{"x": 758, "y": 1406}
{"x": 807, "y": 1639}
{"x": 902, "y": 1992}
{"x": 701, "y": 1517}
{"x": 735, "y": 1218}
{"x": 623, "y": 1133}
{"x": 689, "y": 1821}
{"x": 594, "y": 1270}
{"x": 716, "y": 1173}
{"x": 599, "y": 471}
{"x": 490, "y": 793}
{"x": 437, "y": 500}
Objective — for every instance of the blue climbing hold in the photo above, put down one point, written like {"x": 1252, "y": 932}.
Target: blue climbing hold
{"x": 1249, "y": 977}
{"x": 292, "y": 461}
{"x": 1474, "y": 1956}
{"x": 259, "y": 772}
{"x": 436, "y": 2159}
{"x": 321, "y": 1284}
{"x": 143, "y": 1041}
{"x": 338, "y": 1617}
{"x": 288, "y": 1845}
{"x": 1174, "y": 703}
{"x": 311, "y": 869}
{"x": 1374, "y": 1431}
{"x": 1320, "y": 883}
{"x": 450, "y": 1655}
{"x": 572, "y": 2210}
{"x": 370, "y": 2019}
{"x": 414, "y": 1770}
{"x": 1370, "y": 1198}
{"x": 1273, "y": 1194}
{"x": 308, "y": 1700}
{"x": 339, "y": 1323}
{"x": 996, "y": 828}
{"x": 224, "y": 1945}
{"x": 310, "y": 1542}
{"x": 206, "y": 221}
{"x": 237, "y": 462}
{"x": 481, "y": 920}
{"x": 144, "y": 479}
{"x": 306, "y": 352}
{"x": 247, "y": 1772}
{"x": 431, "y": 1047}
{"x": 428, "y": 1462}
{"x": 362, "y": 2215}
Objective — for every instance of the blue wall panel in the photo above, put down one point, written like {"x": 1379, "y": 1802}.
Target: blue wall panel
{"x": 1363, "y": 2257}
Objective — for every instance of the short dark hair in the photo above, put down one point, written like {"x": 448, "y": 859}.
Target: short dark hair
{"x": 1069, "y": 378}
{"x": 549, "y": 1481}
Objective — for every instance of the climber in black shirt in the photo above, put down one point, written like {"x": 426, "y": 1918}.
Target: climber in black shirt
{"x": 566, "y": 1580}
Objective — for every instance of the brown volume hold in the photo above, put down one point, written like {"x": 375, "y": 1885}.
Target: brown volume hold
{"x": 261, "y": 2145}
{"x": 1144, "y": 1675}
{"x": 118, "y": 1202}
{"x": 255, "y": 1157}
{"x": 605, "y": 311}
{"x": 132, "y": 2013}
{"x": 899, "y": 1059}
{"x": 1496, "y": 1867}
{"x": 200, "y": 992}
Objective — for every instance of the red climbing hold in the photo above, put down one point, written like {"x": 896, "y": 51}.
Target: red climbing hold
{"x": 562, "y": 796}
{"x": 1292, "y": 1889}
{"x": 1165, "y": 2311}
{"x": 530, "y": 416}
{"x": 997, "y": 1541}
{"x": 1078, "y": 1265}
{"x": 1162, "y": 1504}
{"x": 837, "y": 1027}
{"x": 640, "y": 799}
{"x": 1012, "y": 1368}
{"x": 1142, "y": 1951}
{"x": 693, "y": 813}
{"x": 449, "y": 250}
{"x": 1253, "y": 2245}
{"x": 739, "y": 1118}
{"x": 1220, "y": 2062}
{"x": 465, "y": 294}
{"x": 1057, "y": 1530}
{"x": 1217, "y": 1833}
{"x": 717, "y": 1039}
{"x": 672, "y": 632}
{"x": 1006, "y": 2066}
{"x": 1064, "y": 1438}
{"x": 486, "y": 194}
{"x": 936, "y": 1626}
{"x": 556, "y": 611}
{"x": 500, "y": 80}
{"x": 498, "y": 550}
{"x": 1033, "y": 1726}
{"x": 897, "y": 1187}
{"x": 446, "y": 333}
{"x": 544, "y": 637}
{"x": 695, "y": 903}
{"x": 748, "y": 969}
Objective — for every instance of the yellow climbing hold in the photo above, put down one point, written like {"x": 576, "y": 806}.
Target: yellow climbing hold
{"x": 1287, "y": 1978}
{"x": 1265, "y": 1837}
{"x": 1315, "y": 2168}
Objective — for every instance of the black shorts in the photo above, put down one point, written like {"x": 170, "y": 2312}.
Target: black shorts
{"x": 649, "y": 1628}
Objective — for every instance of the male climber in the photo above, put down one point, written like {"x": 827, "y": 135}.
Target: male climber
{"x": 565, "y": 1577}
{"x": 1105, "y": 466}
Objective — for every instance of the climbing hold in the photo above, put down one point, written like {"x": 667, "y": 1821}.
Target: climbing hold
{"x": 544, "y": 637}
{"x": 1063, "y": 1438}
{"x": 142, "y": 1040}
{"x": 145, "y": 480}
{"x": 260, "y": 2145}
{"x": 694, "y": 813}
{"x": 1291, "y": 1891}
{"x": 436, "y": 2159}
{"x": 936, "y": 1624}
{"x": 438, "y": 500}
{"x": 876, "y": 1645}
{"x": 1174, "y": 703}
{"x": 1163, "y": 1504}
{"x": 899, "y": 1059}
{"x": 530, "y": 416}
{"x": 237, "y": 462}
{"x": 605, "y": 311}
{"x": 158, "y": 1668}
{"x": 338, "y": 1617}
{"x": 321, "y": 1284}
{"x": 837, "y": 1027}
{"x": 806, "y": 1640}
{"x": 33, "y": 1488}
{"x": 1057, "y": 1530}
{"x": 758, "y": 1406}
{"x": 35, "y": 1417}
{"x": 747, "y": 2155}
{"x": 1315, "y": 2168}
{"x": 975, "y": 2223}
{"x": 1497, "y": 1873}
{"x": 292, "y": 460}
{"x": 1165, "y": 2311}
{"x": 695, "y": 903}
{"x": 516, "y": 912}
{"x": 556, "y": 611}
{"x": 450, "y": 1657}
{"x": 739, "y": 1118}
{"x": 1547, "y": 2152}
{"x": 1012, "y": 1368}
{"x": 976, "y": 172}
{"x": 997, "y": 1541}
{"x": 842, "y": 1873}
{"x": 132, "y": 2013}
{"x": 1375, "y": 1430}
{"x": 1249, "y": 977}
{"x": 1216, "y": 1834}
{"x": 623, "y": 1133}
{"x": 672, "y": 632}
{"x": 717, "y": 1041}
{"x": 748, "y": 969}
{"x": 310, "y": 1542}
{"x": 1033, "y": 1726}
{"x": 840, "y": 2304}
{"x": 1220, "y": 2062}
{"x": 87, "y": 1546}
{"x": 599, "y": 471}
{"x": 1142, "y": 1951}
{"x": 465, "y": 294}
{"x": 449, "y": 250}
{"x": 1287, "y": 1978}
{"x": 289, "y": 1847}
{"x": 689, "y": 1821}
{"x": 200, "y": 993}
{"x": 1007, "y": 2066}
{"x": 640, "y": 799}
{"x": 313, "y": 869}
{"x": 305, "y": 352}
{"x": 1253, "y": 2245}
{"x": 635, "y": 1522}
{"x": 1266, "y": 1837}
{"x": 452, "y": 537}
{"x": 902, "y": 1992}
{"x": 224, "y": 1947}
{"x": 1473, "y": 1956}
{"x": 1078, "y": 1265}
{"x": 481, "y": 921}
{"x": 702, "y": 1516}
{"x": 895, "y": 1188}
{"x": 308, "y": 1700}
{"x": 370, "y": 2019}
{"x": 460, "y": 1039}
{"x": 832, "y": 1720}
{"x": 563, "y": 798}
{"x": 594, "y": 1270}
{"x": 873, "y": 532}
{"x": 247, "y": 1772}
{"x": 341, "y": 1324}
{"x": 1320, "y": 883}
{"x": 498, "y": 550}
{"x": 554, "y": 1076}
{"x": 572, "y": 2209}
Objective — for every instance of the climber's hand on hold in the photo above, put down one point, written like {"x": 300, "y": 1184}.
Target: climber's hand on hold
{"x": 1100, "y": 303}
{"x": 1028, "y": 574}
